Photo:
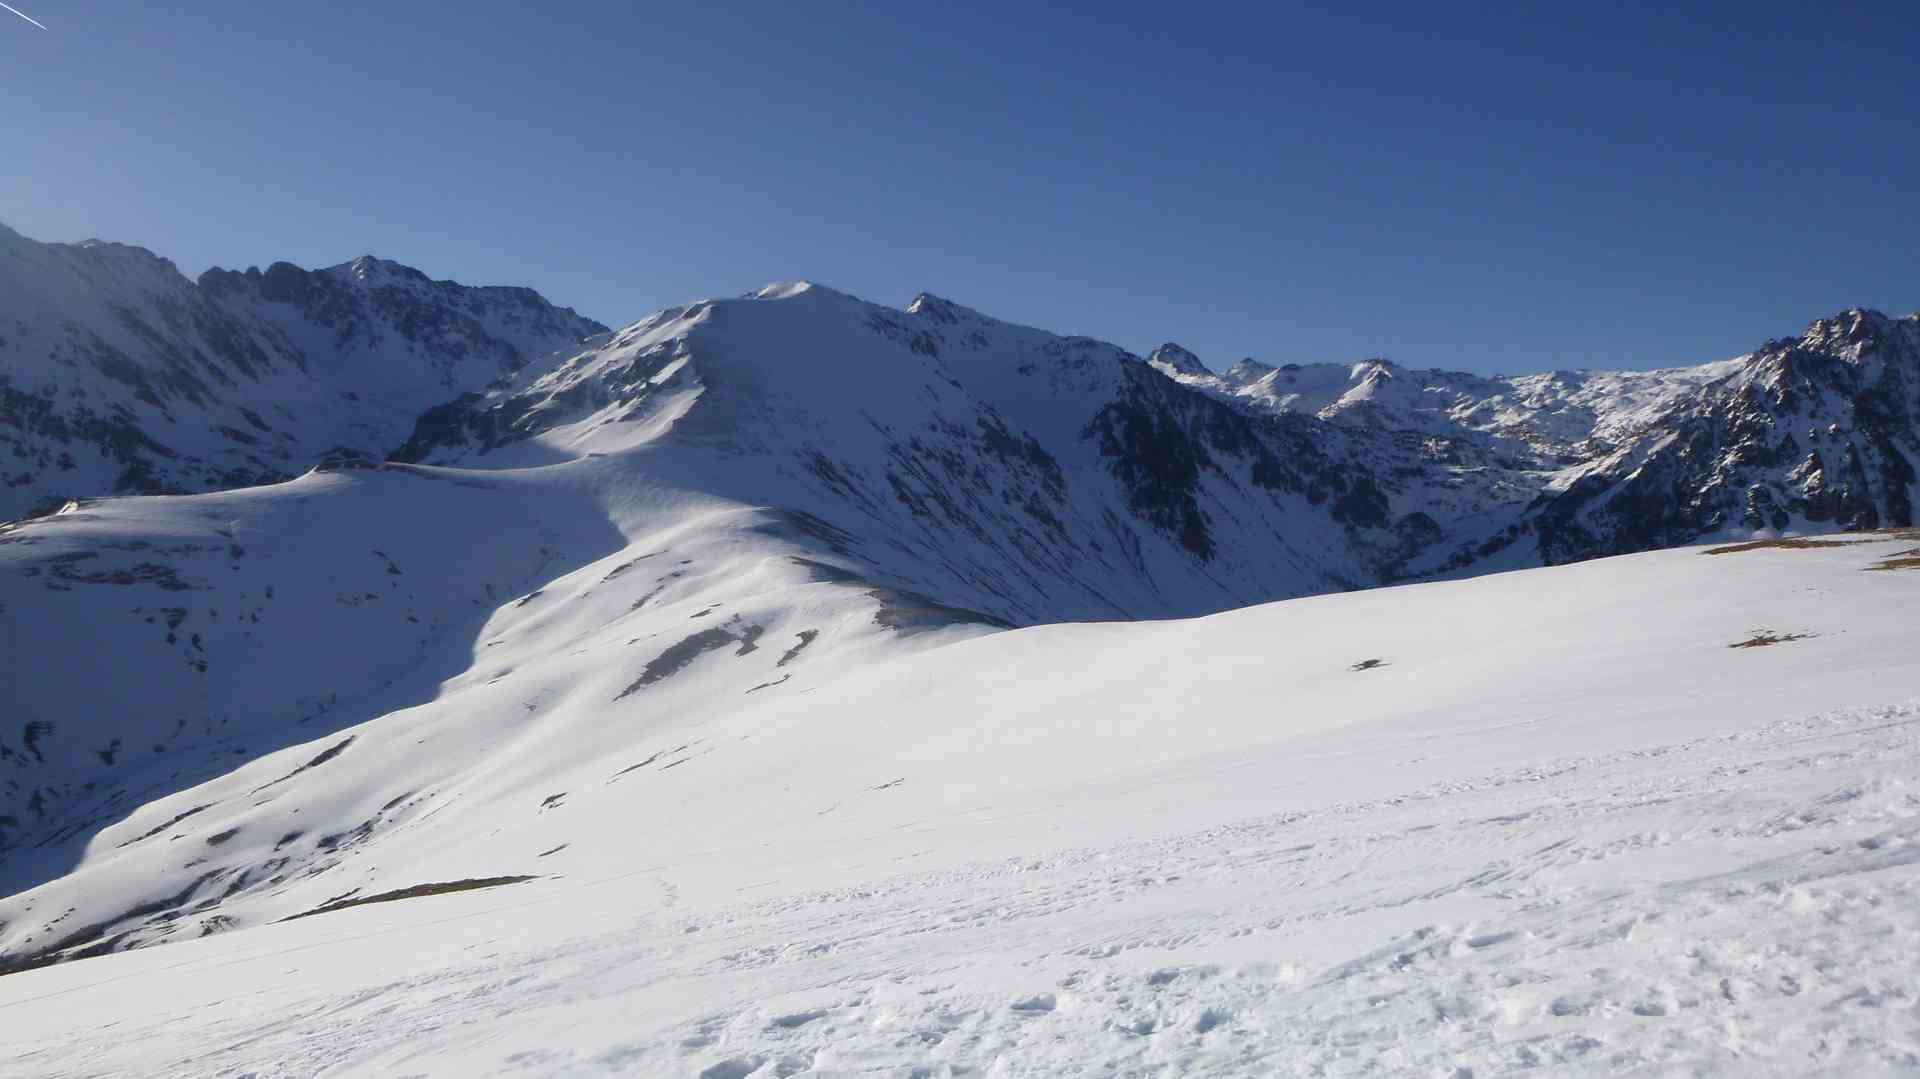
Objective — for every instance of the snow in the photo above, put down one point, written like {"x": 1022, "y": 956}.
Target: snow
{"x": 1560, "y": 825}
{"x": 1470, "y": 450}
{"x": 1556, "y": 409}
{"x": 720, "y": 696}
{"x": 935, "y": 433}
{"x": 118, "y": 373}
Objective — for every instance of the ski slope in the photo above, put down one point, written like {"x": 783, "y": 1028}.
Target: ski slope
{"x": 1548, "y": 819}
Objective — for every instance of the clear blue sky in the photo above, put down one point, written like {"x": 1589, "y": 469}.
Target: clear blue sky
{"x": 1493, "y": 188}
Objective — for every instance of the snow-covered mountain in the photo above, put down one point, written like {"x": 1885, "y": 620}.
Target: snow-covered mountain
{"x": 707, "y": 462}
{"x": 119, "y": 375}
{"x": 1002, "y": 469}
{"x": 713, "y": 618}
{"x": 1806, "y": 434}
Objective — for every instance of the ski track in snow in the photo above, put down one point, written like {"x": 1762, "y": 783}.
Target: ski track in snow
{"x": 1744, "y": 902}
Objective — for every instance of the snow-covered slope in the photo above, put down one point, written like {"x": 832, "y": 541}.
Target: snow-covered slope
{"x": 687, "y": 488}
{"x": 1502, "y": 824}
{"x": 1003, "y": 469}
{"x": 117, "y": 374}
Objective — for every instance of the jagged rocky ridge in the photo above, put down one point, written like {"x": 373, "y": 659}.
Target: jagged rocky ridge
{"x": 1807, "y": 434}
{"x": 118, "y": 375}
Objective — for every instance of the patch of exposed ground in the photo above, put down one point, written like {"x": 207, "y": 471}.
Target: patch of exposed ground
{"x": 1909, "y": 559}
{"x": 1762, "y": 638}
{"x": 414, "y": 892}
{"x": 676, "y": 658}
{"x": 176, "y": 820}
{"x": 316, "y": 762}
{"x": 908, "y": 613}
{"x": 92, "y": 940}
{"x": 1806, "y": 543}
{"x": 806, "y": 638}
{"x": 1794, "y": 544}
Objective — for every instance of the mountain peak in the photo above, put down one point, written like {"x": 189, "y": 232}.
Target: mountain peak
{"x": 1248, "y": 370}
{"x": 131, "y": 253}
{"x": 1373, "y": 369}
{"x": 1176, "y": 360}
{"x": 785, "y": 290}
{"x": 372, "y": 269}
{"x": 927, "y": 305}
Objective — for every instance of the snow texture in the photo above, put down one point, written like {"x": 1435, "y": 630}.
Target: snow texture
{"x": 1544, "y": 830}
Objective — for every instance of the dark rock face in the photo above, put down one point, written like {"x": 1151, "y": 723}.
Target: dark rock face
{"x": 448, "y": 324}
{"x": 1158, "y": 461}
{"x": 1160, "y": 439}
{"x": 120, "y": 376}
{"x": 1814, "y": 433}
{"x": 1176, "y": 360}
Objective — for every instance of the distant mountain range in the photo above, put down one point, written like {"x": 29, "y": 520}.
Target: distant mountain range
{"x": 119, "y": 376}
{"x": 1804, "y": 434}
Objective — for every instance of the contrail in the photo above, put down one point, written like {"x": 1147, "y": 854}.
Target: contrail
{"x": 22, "y": 14}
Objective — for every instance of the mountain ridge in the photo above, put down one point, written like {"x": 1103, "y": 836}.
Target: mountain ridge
{"x": 119, "y": 375}
{"x": 1448, "y": 448}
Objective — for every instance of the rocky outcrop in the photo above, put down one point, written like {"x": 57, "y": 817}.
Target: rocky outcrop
{"x": 1815, "y": 433}
{"x": 118, "y": 375}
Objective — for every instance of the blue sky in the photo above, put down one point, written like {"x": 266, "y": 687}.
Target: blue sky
{"x": 1493, "y": 188}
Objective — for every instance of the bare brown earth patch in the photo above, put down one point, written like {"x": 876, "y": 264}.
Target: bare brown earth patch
{"x": 414, "y": 892}
{"x": 1795, "y": 544}
{"x": 1762, "y": 638}
{"x": 1909, "y": 559}
{"x": 1804, "y": 543}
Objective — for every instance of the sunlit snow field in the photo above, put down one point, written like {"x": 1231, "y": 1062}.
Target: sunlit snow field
{"x": 1559, "y": 824}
